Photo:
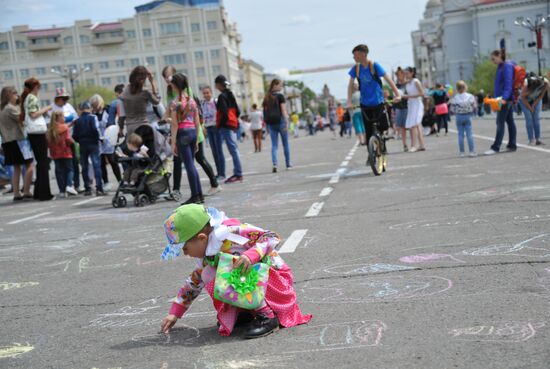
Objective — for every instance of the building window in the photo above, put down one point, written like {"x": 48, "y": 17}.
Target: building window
{"x": 134, "y": 62}
{"x": 539, "y": 17}
{"x": 58, "y": 84}
{"x": 195, "y": 27}
{"x": 104, "y": 65}
{"x": 44, "y": 40}
{"x": 20, "y": 44}
{"x": 199, "y": 55}
{"x": 44, "y": 87}
{"x": 501, "y": 24}
{"x": 121, "y": 79}
{"x": 40, "y": 71}
{"x": 150, "y": 60}
{"x": 519, "y": 19}
{"x": 147, "y": 32}
{"x": 116, "y": 34}
{"x": 84, "y": 39}
{"x": 216, "y": 69}
{"x": 88, "y": 66}
{"x": 119, "y": 63}
{"x": 106, "y": 81}
{"x": 24, "y": 73}
{"x": 521, "y": 43}
{"x": 175, "y": 59}
{"x": 201, "y": 72}
{"x": 90, "y": 82}
{"x": 170, "y": 28}
{"x": 131, "y": 34}
{"x": 56, "y": 69}
{"x": 215, "y": 54}
{"x": 68, "y": 40}
{"x": 4, "y": 45}
{"x": 212, "y": 25}
{"x": 72, "y": 67}
{"x": 8, "y": 74}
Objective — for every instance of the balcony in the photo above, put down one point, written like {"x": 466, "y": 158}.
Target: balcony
{"x": 43, "y": 44}
{"x": 107, "y": 39}
{"x": 107, "y": 34}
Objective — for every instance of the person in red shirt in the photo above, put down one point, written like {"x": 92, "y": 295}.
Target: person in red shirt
{"x": 59, "y": 143}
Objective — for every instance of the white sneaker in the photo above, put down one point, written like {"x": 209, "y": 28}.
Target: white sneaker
{"x": 62, "y": 195}
{"x": 461, "y": 155}
{"x": 490, "y": 152}
{"x": 473, "y": 154}
{"x": 71, "y": 191}
{"x": 214, "y": 190}
{"x": 413, "y": 149}
{"x": 107, "y": 187}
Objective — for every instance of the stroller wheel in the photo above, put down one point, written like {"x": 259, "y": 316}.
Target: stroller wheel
{"x": 119, "y": 202}
{"x": 141, "y": 200}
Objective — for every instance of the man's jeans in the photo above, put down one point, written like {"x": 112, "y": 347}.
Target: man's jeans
{"x": 505, "y": 115}
{"x": 91, "y": 152}
{"x": 274, "y": 132}
{"x": 230, "y": 138}
{"x": 215, "y": 140}
{"x": 532, "y": 121}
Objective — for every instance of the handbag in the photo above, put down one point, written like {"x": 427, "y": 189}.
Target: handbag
{"x": 35, "y": 126}
{"x": 442, "y": 109}
{"x": 246, "y": 291}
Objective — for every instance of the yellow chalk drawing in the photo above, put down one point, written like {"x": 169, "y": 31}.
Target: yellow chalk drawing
{"x": 4, "y": 286}
{"x": 15, "y": 350}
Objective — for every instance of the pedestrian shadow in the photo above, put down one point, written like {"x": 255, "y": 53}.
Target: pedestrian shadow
{"x": 180, "y": 337}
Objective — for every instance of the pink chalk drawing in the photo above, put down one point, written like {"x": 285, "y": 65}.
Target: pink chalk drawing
{"x": 423, "y": 258}
{"x": 499, "y": 332}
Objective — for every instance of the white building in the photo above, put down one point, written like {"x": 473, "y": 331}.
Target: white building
{"x": 196, "y": 36}
{"x": 454, "y": 35}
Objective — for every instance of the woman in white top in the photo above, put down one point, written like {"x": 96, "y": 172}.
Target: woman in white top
{"x": 415, "y": 108}
{"x": 256, "y": 126}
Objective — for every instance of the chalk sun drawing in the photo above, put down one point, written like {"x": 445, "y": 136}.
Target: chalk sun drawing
{"x": 15, "y": 350}
{"x": 499, "y": 332}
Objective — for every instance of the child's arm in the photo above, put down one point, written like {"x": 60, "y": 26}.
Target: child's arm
{"x": 187, "y": 294}
{"x": 265, "y": 244}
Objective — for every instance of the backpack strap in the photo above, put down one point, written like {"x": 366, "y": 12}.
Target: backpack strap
{"x": 373, "y": 72}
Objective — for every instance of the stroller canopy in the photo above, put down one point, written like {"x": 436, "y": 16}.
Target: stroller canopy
{"x": 154, "y": 140}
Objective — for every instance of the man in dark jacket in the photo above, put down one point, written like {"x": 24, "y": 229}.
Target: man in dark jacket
{"x": 227, "y": 121}
{"x": 86, "y": 133}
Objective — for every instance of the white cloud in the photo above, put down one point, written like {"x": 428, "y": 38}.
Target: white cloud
{"x": 283, "y": 73}
{"x": 330, "y": 43}
{"x": 27, "y": 5}
{"x": 299, "y": 20}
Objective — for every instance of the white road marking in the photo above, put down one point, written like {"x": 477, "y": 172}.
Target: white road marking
{"x": 29, "y": 218}
{"x": 334, "y": 179}
{"x": 315, "y": 209}
{"x": 349, "y": 157}
{"x": 344, "y": 163}
{"x": 87, "y": 201}
{"x": 492, "y": 139}
{"x": 293, "y": 241}
{"x": 326, "y": 192}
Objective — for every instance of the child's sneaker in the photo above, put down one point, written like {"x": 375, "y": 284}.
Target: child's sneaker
{"x": 461, "y": 155}
{"x": 71, "y": 190}
{"x": 262, "y": 326}
{"x": 473, "y": 154}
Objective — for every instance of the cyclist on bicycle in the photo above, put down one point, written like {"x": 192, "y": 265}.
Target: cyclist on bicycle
{"x": 369, "y": 74}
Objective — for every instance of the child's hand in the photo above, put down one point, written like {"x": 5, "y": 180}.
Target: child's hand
{"x": 168, "y": 323}
{"x": 245, "y": 262}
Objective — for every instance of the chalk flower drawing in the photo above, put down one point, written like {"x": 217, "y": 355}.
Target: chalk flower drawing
{"x": 499, "y": 332}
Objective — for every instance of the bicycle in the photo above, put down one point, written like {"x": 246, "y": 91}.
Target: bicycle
{"x": 377, "y": 147}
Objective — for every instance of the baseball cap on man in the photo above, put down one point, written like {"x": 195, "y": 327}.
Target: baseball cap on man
{"x": 222, "y": 80}
{"x": 85, "y": 105}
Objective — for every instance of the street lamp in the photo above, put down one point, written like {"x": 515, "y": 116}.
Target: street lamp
{"x": 71, "y": 75}
{"x": 535, "y": 27}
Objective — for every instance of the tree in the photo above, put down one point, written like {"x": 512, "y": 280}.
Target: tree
{"x": 484, "y": 77}
{"x": 308, "y": 95}
{"x": 84, "y": 92}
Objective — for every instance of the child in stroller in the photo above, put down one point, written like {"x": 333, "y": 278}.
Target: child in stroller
{"x": 145, "y": 177}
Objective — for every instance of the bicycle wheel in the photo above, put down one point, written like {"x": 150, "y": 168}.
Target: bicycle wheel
{"x": 376, "y": 159}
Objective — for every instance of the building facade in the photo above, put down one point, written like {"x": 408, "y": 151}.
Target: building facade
{"x": 253, "y": 78}
{"x": 196, "y": 36}
{"x": 455, "y": 34}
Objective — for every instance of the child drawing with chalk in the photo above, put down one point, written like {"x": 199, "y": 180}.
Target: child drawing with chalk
{"x": 238, "y": 266}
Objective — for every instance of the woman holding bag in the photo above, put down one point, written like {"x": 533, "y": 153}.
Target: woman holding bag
{"x": 35, "y": 126}
{"x": 441, "y": 108}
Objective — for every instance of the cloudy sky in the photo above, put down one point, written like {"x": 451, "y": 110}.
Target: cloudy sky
{"x": 280, "y": 35}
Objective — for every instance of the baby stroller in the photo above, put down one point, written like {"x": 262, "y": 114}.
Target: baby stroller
{"x": 154, "y": 182}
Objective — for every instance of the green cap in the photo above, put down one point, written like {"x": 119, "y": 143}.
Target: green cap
{"x": 189, "y": 220}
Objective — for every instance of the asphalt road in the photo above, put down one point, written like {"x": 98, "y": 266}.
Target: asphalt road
{"x": 442, "y": 262}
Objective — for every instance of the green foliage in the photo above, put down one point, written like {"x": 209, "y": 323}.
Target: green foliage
{"x": 322, "y": 108}
{"x": 484, "y": 77}
{"x": 308, "y": 95}
{"x": 84, "y": 92}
